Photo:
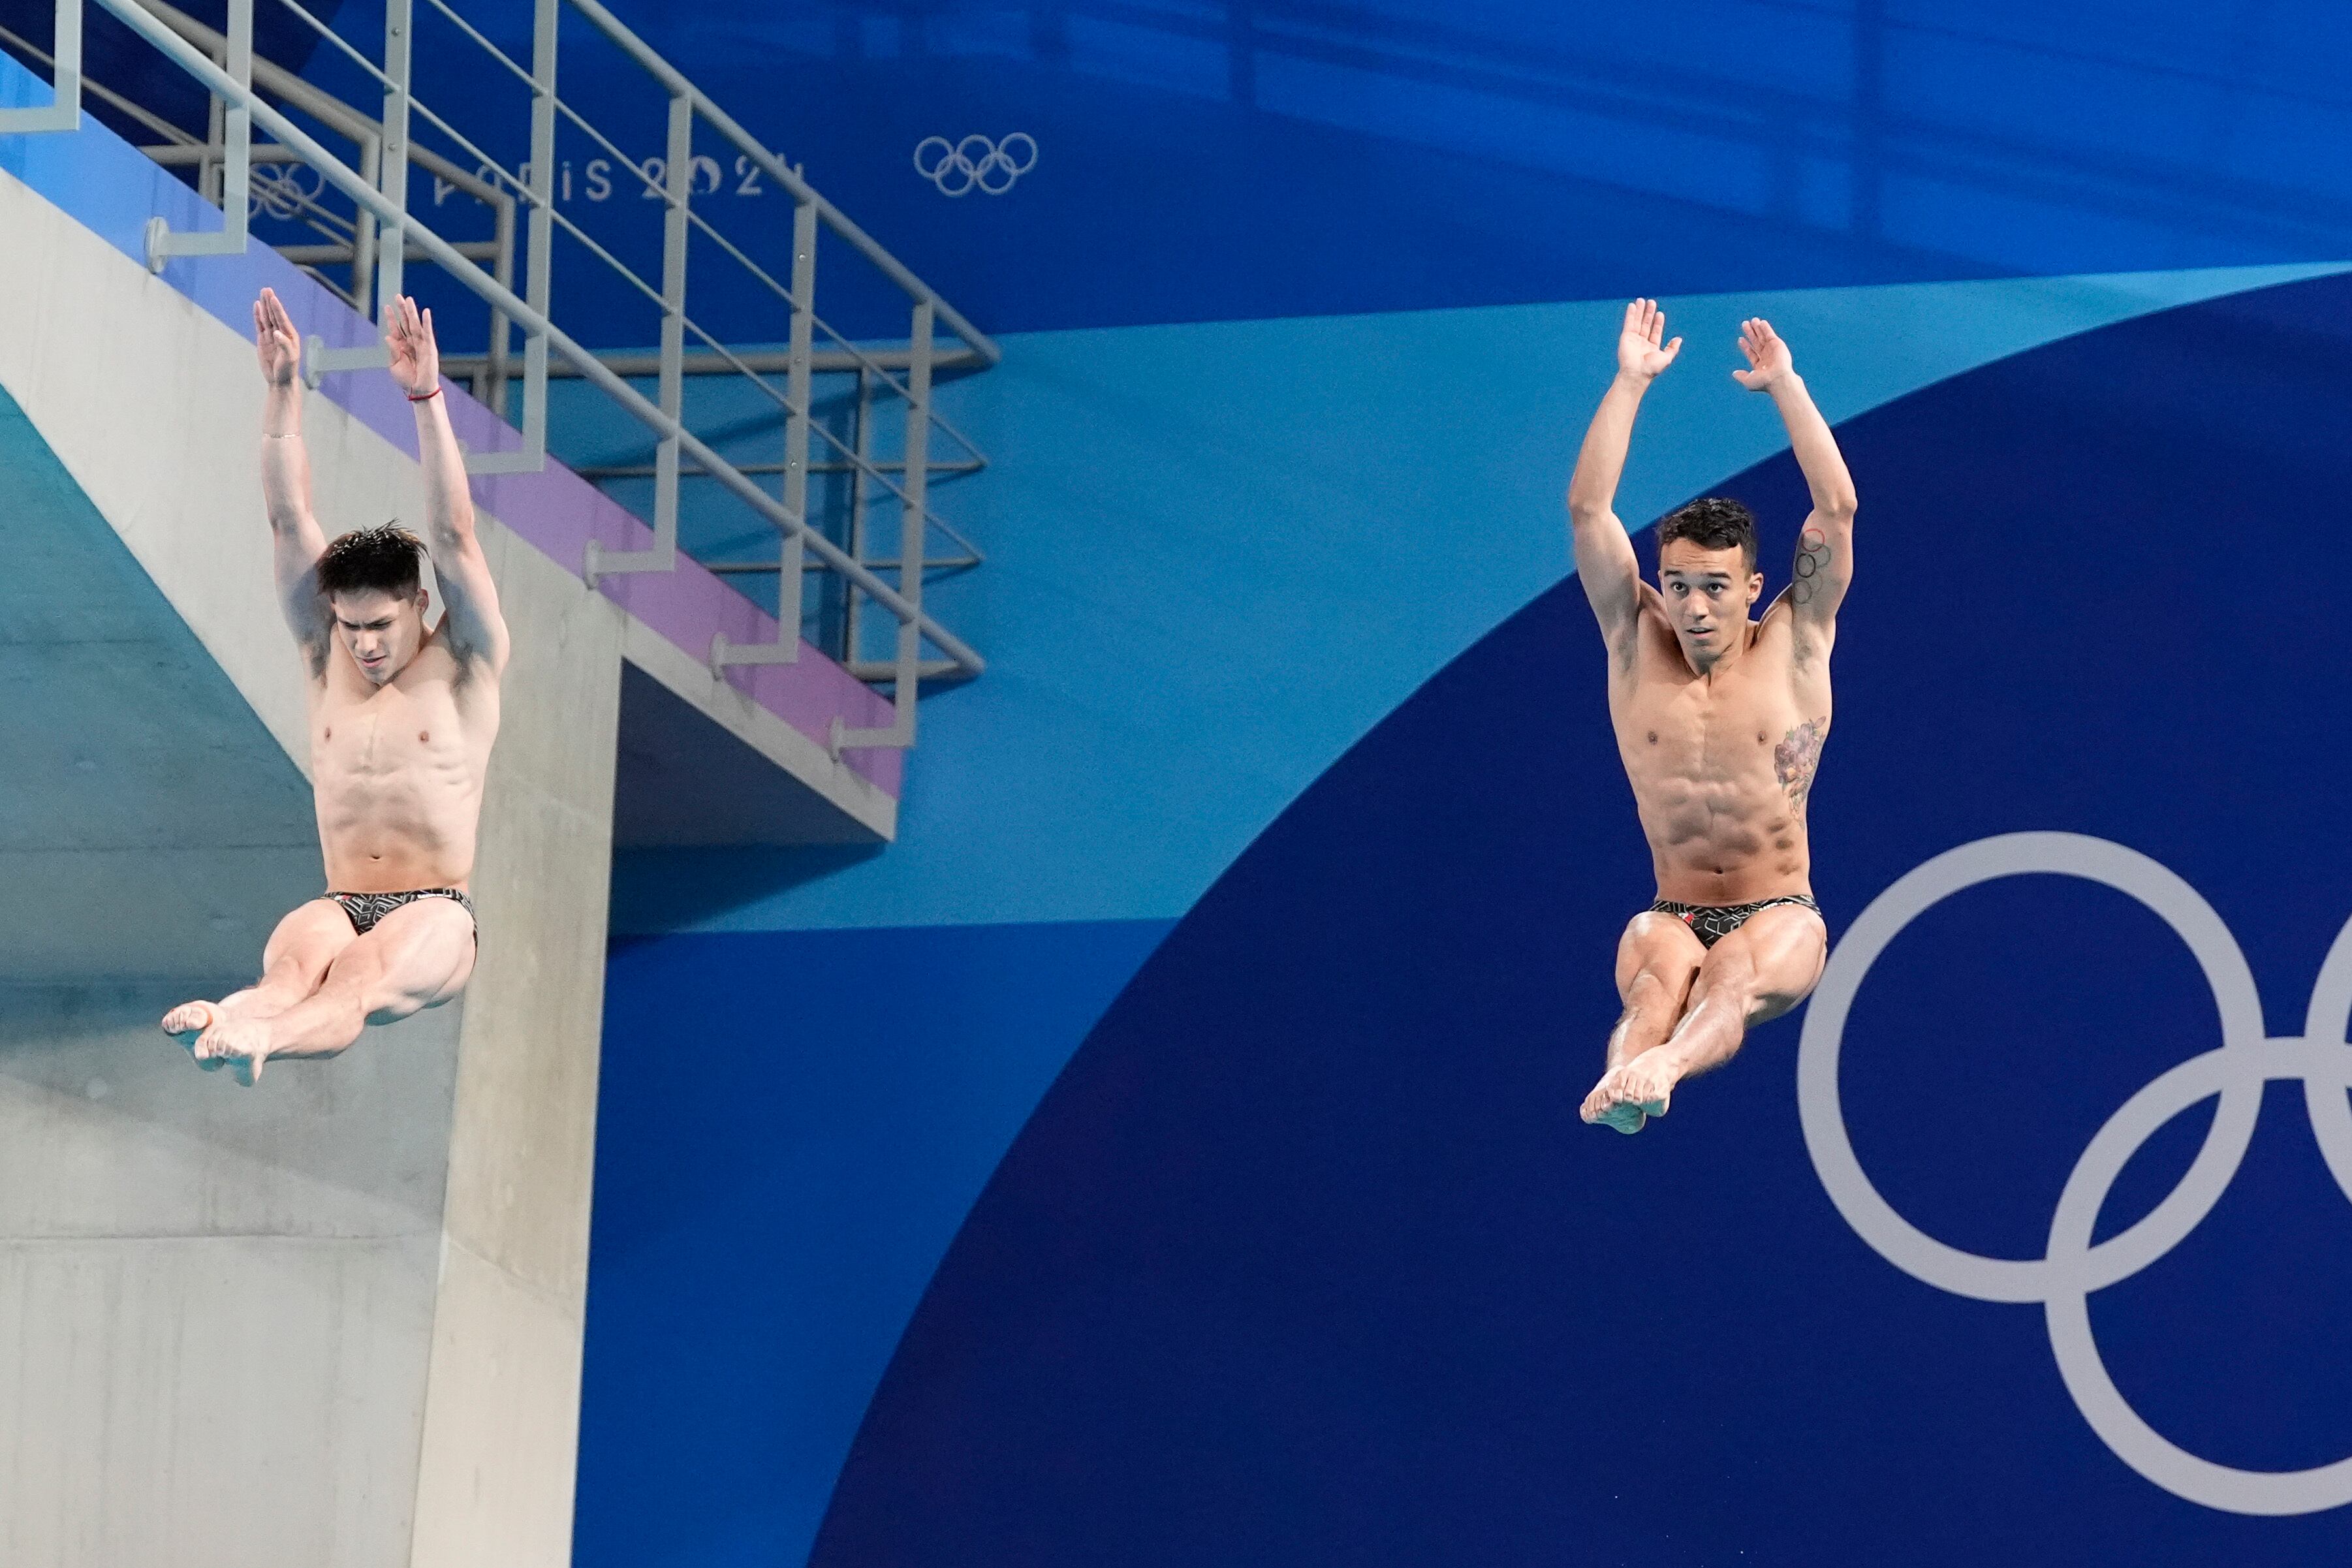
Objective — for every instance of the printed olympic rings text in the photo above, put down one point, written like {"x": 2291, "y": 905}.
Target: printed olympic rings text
{"x": 975, "y": 163}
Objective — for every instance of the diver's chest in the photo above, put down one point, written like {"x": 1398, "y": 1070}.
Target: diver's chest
{"x": 1691, "y": 721}
{"x": 390, "y": 728}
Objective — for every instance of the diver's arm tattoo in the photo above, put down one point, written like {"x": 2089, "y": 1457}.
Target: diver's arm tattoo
{"x": 1796, "y": 757}
{"x": 1814, "y": 558}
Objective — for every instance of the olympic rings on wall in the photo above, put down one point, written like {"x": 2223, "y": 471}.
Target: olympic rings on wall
{"x": 2072, "y": 1267}
{"x": 975, "y": 163}
{"x": 283, "y": 191}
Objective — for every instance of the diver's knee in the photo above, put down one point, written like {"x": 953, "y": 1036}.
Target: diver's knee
{"x": 392, "y": 1006}
{"x": 1648, "y": 992}
{"x": 1732, "y": 982}
{"x": 393, "y": 1003}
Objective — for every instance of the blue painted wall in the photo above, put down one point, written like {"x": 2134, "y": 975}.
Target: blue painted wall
{"x": 1305, "y": 1258}
{"x": 1302, "y": 1256}
{"x": 1223, "y": 159}
{"x": 794, "y": 1127}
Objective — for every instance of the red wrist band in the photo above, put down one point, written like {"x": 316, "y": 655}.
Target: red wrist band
{"x": 424, "y": 397}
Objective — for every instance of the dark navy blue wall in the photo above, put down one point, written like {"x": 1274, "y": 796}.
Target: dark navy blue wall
{"x": 1305, "y": 1259}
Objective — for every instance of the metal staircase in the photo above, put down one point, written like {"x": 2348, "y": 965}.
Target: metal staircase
{"x": 854, "y": 421}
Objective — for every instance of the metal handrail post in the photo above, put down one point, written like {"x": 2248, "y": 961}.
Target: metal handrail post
{"x": 63, "y": 112}
{"x": 363, "y": 230}
{"x": 537, "y": 270}
{"x": 677, "y": 182}
{"x": 864, "y": 437}
{"x": 393, "y": 167}
{"x": 796, "y": 426}
{"x": 792, "y": 551}
{"x": 237, "y": 170}
{"x": 670, "y": 386}
{"x": 905, "y": 683}
{"x": 491, "y": 387}
{"x": 208, "y": 167}
{"x": 446, "y": 254}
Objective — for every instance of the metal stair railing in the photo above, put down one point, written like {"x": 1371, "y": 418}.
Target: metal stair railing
{"x": 225, "y": 64}
{"x": 353, "y": 242}
{"x": 347, "y": 241}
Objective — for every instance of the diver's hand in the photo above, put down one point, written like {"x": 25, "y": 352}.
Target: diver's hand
{"x": 415, "y": 357}
{"x": 275, "y": 341}
{"x": 1770, "y": 362}
{"x": 1640, "y": 354}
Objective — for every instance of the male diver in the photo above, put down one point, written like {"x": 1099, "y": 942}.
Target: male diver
{"x": 1719, "y": 720}
{"x": 402, "y": 721}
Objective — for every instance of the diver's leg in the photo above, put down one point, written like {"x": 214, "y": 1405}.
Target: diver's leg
{"x": 1756, "y": 973}
{"x": 418, "y": 956}
{"x": 292, "y": 965}
{"x": 1657, "y": 959}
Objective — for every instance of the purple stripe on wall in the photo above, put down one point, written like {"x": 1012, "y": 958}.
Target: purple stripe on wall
{"x": 111, "y": 188}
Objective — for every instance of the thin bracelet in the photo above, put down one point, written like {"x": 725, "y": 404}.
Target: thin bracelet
{"x": 289, "y": 435}
{"x": 427, "y": 397}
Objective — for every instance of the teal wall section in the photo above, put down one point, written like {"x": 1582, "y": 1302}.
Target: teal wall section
{"x": 1219, "y": 553}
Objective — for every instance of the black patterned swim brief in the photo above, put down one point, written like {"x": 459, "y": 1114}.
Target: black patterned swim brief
{"x": 365, "y": 909}
{"x": 1713, "y": 922}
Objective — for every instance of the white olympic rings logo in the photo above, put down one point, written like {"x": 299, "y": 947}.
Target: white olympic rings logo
{"x": 283, "y": 192}
{"x": 2064, "y": 1278}
{"x": 975, "y": 163}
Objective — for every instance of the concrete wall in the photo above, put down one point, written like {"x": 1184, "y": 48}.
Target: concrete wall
{"x": 336, "y": 1319}
{"x": 502, "y": 1403}
{"x": 213, "y": 1303}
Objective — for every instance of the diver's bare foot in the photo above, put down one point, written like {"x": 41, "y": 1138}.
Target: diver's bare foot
{"x": 1628, "y": 1096}
{"x": 188, "y": 1021}
{"x": 239, "y": 1043}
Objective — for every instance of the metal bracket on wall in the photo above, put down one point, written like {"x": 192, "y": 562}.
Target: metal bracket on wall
{"x": 236, "y": 121}
{"x": 319, "y": 361}
{"x": 785, "y": 649}
{"x": 898, "y": 735}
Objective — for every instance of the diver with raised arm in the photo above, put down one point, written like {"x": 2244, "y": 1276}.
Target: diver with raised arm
{"x": 1719, "y": 720}
{"x": 402, "y": 721}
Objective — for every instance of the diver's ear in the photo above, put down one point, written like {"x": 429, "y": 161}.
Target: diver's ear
{"x": 1755, "y": 586}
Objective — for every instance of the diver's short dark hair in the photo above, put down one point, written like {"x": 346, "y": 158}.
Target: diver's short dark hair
{"x": 1713, "y": 522}
{"x": 384, "y": 560}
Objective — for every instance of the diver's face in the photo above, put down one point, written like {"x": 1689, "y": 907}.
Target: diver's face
{"x": 1708, "y": 593}
{"x": 381, "y": 631}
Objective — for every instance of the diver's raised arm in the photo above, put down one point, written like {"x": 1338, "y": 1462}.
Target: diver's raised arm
{"x": 1605, "y": 563}
{"x": 296, "y": 541}
{"x": 469, "y": 598}
{"x": 1824, "y": 563}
